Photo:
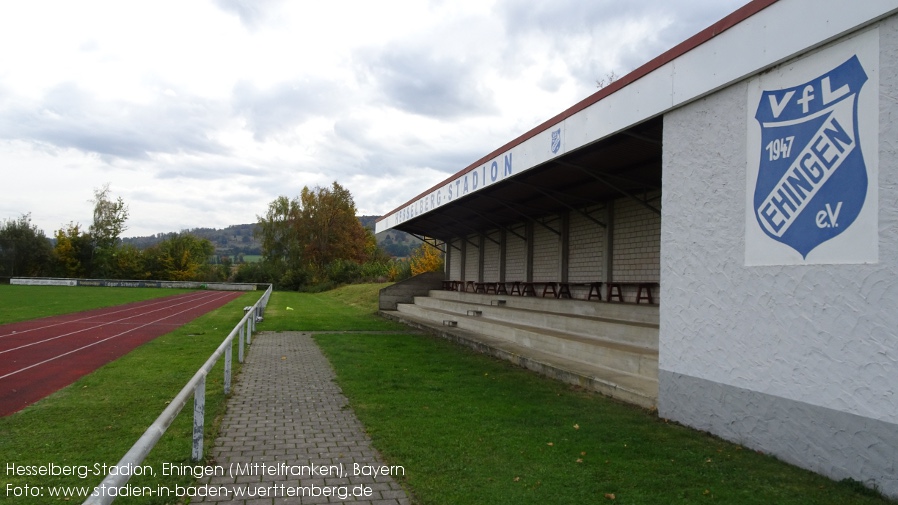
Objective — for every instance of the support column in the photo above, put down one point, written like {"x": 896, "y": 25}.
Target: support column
{"x": 447, "y": 260}
{"x": 608, "y": 264}
{"x": 528, "y": 232}
{"x": 503, "y": 250}
{"x": 480, "y": 257}
{"x": 565, "y": 246}
{"x": 464, "y": 259}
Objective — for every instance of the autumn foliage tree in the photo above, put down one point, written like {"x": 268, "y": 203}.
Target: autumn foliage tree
{"x": 328, "y": 226}
{"x": 303, "y": 236}
{"x": 426, "y": 258}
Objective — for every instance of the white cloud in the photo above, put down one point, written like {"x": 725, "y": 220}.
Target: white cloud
{"x": 200, "y": 113}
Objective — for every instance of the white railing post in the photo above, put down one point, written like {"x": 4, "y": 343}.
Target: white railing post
{"x": 199, "y": 411}
{"x": 240, "y": 346}
{"x": 227, "y": 370}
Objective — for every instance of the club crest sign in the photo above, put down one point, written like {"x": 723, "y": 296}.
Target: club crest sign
{"x": 811, "y": 176}
{"x": 556, "y": 141}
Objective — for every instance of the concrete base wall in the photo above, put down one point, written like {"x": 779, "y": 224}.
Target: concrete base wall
{"x": 827, "y": 441}
{"x": 406, "y": 291}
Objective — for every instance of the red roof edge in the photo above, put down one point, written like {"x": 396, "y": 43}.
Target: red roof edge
{"x": 741, "y": 14}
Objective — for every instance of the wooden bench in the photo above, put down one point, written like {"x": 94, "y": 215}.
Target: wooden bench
{"x": 643, "y": 291}
{"x": 549, "y": 287}
{"x": 595, "y": 290}
{"x": 564, "y": 290}
{"x": 521, "y": 288}
{"x": 453, "y": 285}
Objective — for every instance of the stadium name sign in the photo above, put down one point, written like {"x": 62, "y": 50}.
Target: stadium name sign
{"x": 811, "y": 195}
{"x": 534, "y": 151}
{"x": 473, "y": 180}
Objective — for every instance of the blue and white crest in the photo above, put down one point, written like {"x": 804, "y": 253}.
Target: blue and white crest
{"x": 812, "y": 179}
{"x": 556, "y": 141}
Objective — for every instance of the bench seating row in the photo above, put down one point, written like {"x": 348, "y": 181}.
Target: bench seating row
{"x": 613, "y": 290}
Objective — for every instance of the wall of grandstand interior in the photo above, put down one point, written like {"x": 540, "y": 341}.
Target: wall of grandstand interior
{"x": 634, "y": 240}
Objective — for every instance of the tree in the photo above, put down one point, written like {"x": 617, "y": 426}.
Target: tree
{"x": 302, "y": 236}
{"x": 24, "y": 249}
{"x": 328, "y": 226}
{"x": 181, "y": 257}
{"x": 128, "y": 263}
{"x": 277, "y": 232}
{"x": 107, "y": 227}
{"x": 73, "y": 251}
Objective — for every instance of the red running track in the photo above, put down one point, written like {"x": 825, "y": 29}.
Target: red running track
{"x": 41, "y": 356}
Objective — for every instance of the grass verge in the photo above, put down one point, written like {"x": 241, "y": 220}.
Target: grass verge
{"x": 96, "y": 420}
{"x": 470, "y": 429}
{"x": 350, "y": 308}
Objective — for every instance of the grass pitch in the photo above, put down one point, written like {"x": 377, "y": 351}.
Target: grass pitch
{"x": 21, "y": 303}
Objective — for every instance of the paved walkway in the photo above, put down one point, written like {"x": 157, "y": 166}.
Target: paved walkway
{"x": 288, "y": 436}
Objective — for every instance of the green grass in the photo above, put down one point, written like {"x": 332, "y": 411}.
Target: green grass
{"x": 99, "y": 417}
{"x": 471, "y": 429}
{"x": 21, "y": 303}
{"x": 352, "y": 308}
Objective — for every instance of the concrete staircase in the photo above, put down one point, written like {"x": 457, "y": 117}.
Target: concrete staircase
{"x": 611, "y": 348}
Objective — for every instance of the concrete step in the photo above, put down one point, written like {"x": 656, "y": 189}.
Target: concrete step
{"x": 635, "y": 333}
{"x": 588, "y": 350}
{"x": 630, "y": 388}
{"x": 641, "y": 313}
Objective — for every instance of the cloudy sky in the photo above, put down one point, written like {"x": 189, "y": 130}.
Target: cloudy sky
{"x": 199, "y": 113}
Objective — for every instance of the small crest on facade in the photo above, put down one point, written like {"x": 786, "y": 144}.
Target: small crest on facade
{"x": 812, "y": 179}
{"x": 556, "y": 141}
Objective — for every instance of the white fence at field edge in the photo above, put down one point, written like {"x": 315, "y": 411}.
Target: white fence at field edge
{"x": 124, "y": 283}
{"x": 105, "y": 492}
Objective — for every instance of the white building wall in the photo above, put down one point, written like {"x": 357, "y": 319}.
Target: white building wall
{"x": 800, "y": 361}
{"x": 455, "y": 260}
{"x": 547, "y": 251}
{"x": 637, "y": 244}
{"x": 472, "y": 259}
{"x": 516, "y": 255}
{"x": 637, "y": 241}
{"x": 491, "y": 252}
{"x": 587, "y": 242}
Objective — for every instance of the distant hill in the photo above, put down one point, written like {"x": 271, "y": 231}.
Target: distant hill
{"x": 239, "y": 239}
{"x": 231, "y": 241}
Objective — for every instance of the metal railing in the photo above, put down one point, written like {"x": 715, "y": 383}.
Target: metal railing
{"x": 195, "y": 387}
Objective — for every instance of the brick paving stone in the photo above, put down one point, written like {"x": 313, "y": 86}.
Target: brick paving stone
{"x": 287, "y": 408}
